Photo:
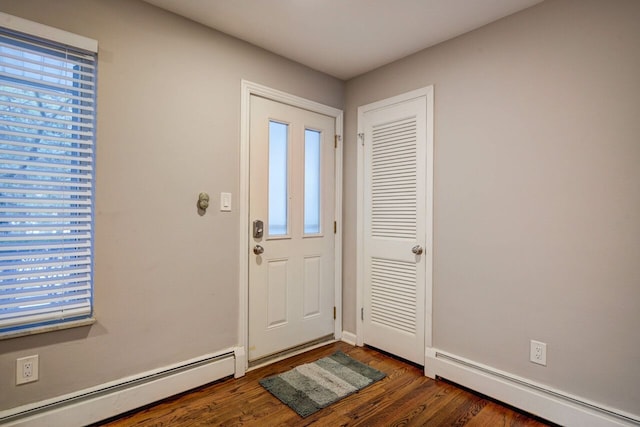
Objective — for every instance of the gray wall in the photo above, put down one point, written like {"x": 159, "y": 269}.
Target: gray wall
{"x": 166, "y": 279}
{"x": 537, "y": 193}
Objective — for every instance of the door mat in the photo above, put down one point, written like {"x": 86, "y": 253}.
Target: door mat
{"x": 310, "y": 387}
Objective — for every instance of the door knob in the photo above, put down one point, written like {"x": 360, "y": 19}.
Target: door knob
{"x": 417, "y": 249}
{"x": 258, "y": 250}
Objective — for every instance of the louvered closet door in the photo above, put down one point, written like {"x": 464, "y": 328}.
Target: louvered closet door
{"x": 394, "y": 224}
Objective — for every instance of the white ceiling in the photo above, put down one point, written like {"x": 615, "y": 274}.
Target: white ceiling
{"x": 344, "y": 38}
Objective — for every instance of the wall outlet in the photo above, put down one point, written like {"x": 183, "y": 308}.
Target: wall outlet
{"x": 27, "y": 369}
{"x": 538, "y": 353}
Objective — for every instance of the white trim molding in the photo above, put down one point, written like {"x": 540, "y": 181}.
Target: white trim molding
{"x": 116, "y": 397}
{"x": 46, "y": 32}
{"x": 349, "y": 338}
{"x": 538, "y": 399}
{"x": 241, "y": 362}
{"x": 247, "y": 90}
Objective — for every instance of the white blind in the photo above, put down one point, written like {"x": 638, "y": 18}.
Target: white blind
{"x": 47, "y": 134}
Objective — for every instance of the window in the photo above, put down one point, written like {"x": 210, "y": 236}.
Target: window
{"x": 278, "y": 179}
{"x": 312, "y": 181}
{"x": 47, "y": 136}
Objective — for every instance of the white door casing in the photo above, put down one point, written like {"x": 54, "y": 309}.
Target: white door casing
{"x": 395, "y": 217}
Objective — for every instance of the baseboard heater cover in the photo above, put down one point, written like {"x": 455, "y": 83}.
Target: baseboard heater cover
{"x": 117, "y": 397}
{"x": 538, "y": 399}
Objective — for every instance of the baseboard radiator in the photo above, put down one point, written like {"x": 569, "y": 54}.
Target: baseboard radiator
{"x": 538, "y": 399}
{"x": 117, "y": 397}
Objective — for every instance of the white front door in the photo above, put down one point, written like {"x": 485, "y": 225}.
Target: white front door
{"x": 291, "y": 239}
{"x": 396, "y": 218}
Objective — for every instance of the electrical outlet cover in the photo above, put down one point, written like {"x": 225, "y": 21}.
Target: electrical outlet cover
{"x": 538, "y": 353}
{"x": 27, "y": 369}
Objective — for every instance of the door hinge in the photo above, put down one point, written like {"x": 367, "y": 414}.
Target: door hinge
{"x": 335, "y": 141}
{"x": 334, "y": 312}
{"x": 335, "y": 227}
{"x": 362, "y": 313}
{"x": 361, "y": 136}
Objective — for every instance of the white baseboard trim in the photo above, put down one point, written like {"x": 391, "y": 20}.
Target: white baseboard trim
{"x": 349, "y": 338}
{"x": 241, "y": 362}
{"x": 117, "y": 397}
{"x": 538, "y": 399}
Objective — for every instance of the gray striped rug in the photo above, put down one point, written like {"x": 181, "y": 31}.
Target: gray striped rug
{"x": 313, "y": 386}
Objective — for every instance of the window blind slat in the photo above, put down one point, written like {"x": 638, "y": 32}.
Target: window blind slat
{"x": 43, "y": 257}
{"x": 40, "y": 174}
{"x": 39, "y": 163}
{"x": 45, "y": 237}
{"x": 46, "y": 314}
{"x": 51, "y": 228}
{"x": 47, "y": 120}
{"x": 43, "y": 290}
{"x": 70, "y": 86}
{"x": 46, "y": 157}
{"x": 34, "y": 269}
{"x": 36, "y": 247}
{"x": 44, "y": 210}
{"x": 41, "y": 137}
{"x": 40, "y": 293}
{"x": 21, "y": 113}
{"x": 12, "y": 286}
{"x": 21, "y": 299}
{"x": 45, "y": 284}
{"x": 62, "y": 97}
{"x": 47, "y": 148}
{"x": 21, "y": 101}
{"x": 46, "y": 201}
{"x": 45, "y": 184}
{"x": 52, "y": 192}
{"x": 32, "y": 261}
{"x": 67, "y": 132}
{"x": 51, "y": 274}
{"x": 65, "y": 88}
{"x": 61, "y": 66}
{"x": 37, "y": 219}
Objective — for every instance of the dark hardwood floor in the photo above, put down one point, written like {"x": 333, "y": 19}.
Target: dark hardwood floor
{"x": 404, "y": 398}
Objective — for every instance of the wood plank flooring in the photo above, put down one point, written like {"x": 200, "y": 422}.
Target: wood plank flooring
{"x": 404, "y": 398}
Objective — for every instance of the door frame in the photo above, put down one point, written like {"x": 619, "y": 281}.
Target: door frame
{"x": 426, "y": 92}
{"x": 247, "y": 90}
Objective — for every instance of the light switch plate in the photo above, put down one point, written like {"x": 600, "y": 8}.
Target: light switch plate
{"x": 225, "y": 202}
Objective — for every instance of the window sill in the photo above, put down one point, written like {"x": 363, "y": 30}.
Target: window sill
{"x": 49, "y": 328}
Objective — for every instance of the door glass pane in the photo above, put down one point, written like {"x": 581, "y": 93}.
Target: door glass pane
{"x": 278, "y": 188}
{"x": 311, "y": 182}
